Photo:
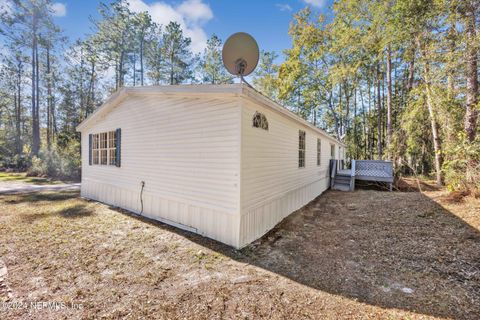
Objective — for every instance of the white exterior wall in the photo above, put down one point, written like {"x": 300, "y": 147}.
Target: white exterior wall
{"x": 187, "y": 151}
{"x": 272, "y": 184}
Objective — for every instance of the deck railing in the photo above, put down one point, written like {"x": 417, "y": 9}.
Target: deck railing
{"x": 369, "y": 170}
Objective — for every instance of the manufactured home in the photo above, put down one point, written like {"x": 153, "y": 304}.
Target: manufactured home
{"x": 219, "y": 160}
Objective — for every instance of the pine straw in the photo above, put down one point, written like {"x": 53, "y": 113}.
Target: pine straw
{"x": 346, "y": 255}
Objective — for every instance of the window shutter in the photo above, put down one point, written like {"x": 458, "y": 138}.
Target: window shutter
{"x": 119, "y": 147}
{"x": 90, "y": 137}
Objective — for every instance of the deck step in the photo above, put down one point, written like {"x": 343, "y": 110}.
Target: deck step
{"x": 342, "y": 179}
{"x": 341, "y": 187}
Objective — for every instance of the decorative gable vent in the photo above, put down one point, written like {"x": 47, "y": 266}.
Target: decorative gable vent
{"x": 260, "y": 121}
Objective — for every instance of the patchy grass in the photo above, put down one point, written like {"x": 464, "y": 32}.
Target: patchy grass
{"x": 21, "y": 177}
{"x": 364, "y": 255}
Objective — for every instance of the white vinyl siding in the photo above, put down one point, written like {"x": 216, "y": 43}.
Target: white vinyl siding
{"x": 272, "y": 184}
{"x": 207, "y": 167}
{"x": 187, "y": 152}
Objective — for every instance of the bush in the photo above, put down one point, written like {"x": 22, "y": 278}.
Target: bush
{"x": 37, "y": 168}
{"x": 71, "y": 162}
{"x": 462, "y": 165}
{"x": 57, "y": 163}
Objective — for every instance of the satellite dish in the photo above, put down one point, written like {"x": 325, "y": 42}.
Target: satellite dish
{"x": 240, "y": 54}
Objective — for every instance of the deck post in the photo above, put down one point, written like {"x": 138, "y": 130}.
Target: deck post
{"x": 352, "y": 176}
{"x": 333, "y": 172}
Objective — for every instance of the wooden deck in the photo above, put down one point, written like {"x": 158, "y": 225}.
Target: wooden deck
{"x": 367, "y": 170}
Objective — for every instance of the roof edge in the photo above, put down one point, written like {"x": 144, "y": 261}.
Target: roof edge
{"x": 236, "y": 89}
{"x": 251, "y": 93}
{"x": 184, "y": 89}
{"x": 111, "y": 100}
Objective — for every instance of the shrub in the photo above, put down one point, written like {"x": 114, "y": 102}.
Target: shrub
{"x": 462, "y": 165}
{"x": 57, "y": 163}
{"x": 37, "y": 168}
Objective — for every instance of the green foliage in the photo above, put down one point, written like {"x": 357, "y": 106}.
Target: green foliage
{"x": 57, "y": 163}
{"x": 462, "y": 167}
{"x": 336, "y": 74}
{"x": 212, "y": 67}
{"x": 37, "y": 168}
{"x": 177, "y": 55}
{"x": 265, "y": 77}
{"x": 304, "y": 77}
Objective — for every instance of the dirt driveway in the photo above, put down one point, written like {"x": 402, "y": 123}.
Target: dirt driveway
{"x": 361, "y": 255}
{"x": 11, "y": 183}
{"x": 21, "y": 187}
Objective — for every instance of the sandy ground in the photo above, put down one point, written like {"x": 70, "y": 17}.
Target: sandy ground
{"x": 362, "y": 255}
{"x": 20, "y": 183}
{"x": 20, "y": 187}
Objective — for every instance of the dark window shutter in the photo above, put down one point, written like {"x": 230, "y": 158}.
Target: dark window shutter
{"x": 119, "y": 147}
{"x": 90, "y": 137}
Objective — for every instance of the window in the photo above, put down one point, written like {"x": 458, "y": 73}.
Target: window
{"x": 95, "y": 151}
{"x": 301, "y": 149}
{"x": 260, "y": 121}
{"x": 332, "y": 151}
{"x": 104, "y": 148}
{"x": 319, "y": 151}
{"x": 112, "y": 148}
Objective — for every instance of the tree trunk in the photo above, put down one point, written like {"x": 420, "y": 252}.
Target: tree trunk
{"x": 141, "y": 60}
{"x": 379, "y": 115}
{"x": 347, "y": 108}
{"x": 18, "y": 111}
{"x": 134, "y": 70}
{"x": 389, "y": 101}
{"x": 35, "y": 117}
{"x": 120, "y": 70}
{"x": 355, "y": 140}
{"x": 171, "y": 68}
{"x": 49, "y": 102}
{"x": 91, "y": 90}
{"x": 340, "y": 110}
{"x": 471, "y": 114}
{"x": 451, "y": 68}
{"x": 334, "y": 114}
{"x": 411, "y": 74}
{"x": 364, "y": 120}
{"x": 437, "y": 147}
{"x": 370, "y": 129}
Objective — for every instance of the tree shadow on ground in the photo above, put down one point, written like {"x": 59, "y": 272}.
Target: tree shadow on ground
{"x": 412, "y": 184}
{"x": 40, "y": 196}
{"x": 77, "y": 211}
{"x": 72, "y": 212}
{"x": 389, "y": 249}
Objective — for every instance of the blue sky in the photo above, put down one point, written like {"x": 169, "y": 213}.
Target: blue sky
{"x": 266, "y": 20}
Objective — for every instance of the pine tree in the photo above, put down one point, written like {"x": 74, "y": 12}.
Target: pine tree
{"x": 266, "y": 73}
{"x": 177, "y": 55}
{"x": 212, "y": 67}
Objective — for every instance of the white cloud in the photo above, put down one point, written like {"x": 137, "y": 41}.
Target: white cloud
{"x": 59, "y": 9}
{"x": 283, "y": 7}
{"x": 190, "y": 14}
{"x": 315, "y": 3}
{"x": 196, "y": 11}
